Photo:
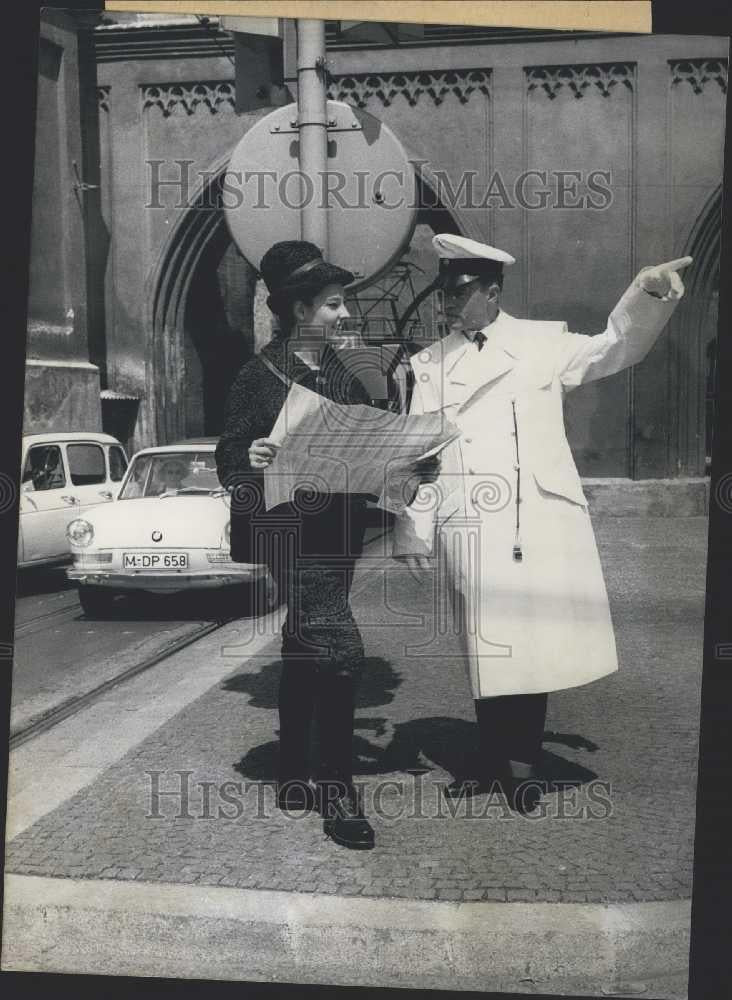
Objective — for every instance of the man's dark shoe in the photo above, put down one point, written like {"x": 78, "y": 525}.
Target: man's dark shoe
{"x": 465, "y": 788}
{"x": 523, "y": 786}
{"x": 524, "y": 794}
{"x": 343, "y": 818}
{"x": 296, "y": 795}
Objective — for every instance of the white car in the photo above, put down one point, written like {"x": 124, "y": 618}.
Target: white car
{"x": 168, "y": 531}
{"x": 63, "y": 476}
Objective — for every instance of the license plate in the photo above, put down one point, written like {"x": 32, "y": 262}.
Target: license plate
{"x": 155, "y": 560}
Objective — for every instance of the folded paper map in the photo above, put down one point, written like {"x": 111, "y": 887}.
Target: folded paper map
{"x": 328, "y": 447}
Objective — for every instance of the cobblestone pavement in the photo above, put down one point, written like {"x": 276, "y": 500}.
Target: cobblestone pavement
{"x": 620, "y": 830}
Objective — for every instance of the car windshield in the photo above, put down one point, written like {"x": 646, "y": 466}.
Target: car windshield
{"x": 187, "y": 473}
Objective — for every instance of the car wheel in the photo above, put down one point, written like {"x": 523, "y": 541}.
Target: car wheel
{"x": 96, "y": 601}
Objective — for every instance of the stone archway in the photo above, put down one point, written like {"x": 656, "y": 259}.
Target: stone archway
{"x": 167, "y": 300}
{"x": 219, "y": 332}
{"x": 694, "y": 341}
{"x": 183, "y": 307}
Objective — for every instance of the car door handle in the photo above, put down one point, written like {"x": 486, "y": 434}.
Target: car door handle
{"x": 70, "y": 500}
{"x": 106, "y": 494}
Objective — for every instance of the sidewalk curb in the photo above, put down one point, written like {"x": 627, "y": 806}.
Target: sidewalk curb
{"x": 203, "y": 932}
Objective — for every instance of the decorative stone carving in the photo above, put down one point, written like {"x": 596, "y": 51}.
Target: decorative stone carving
{"x": 359, "y": 88}
{"x": 103, "y": 97}
{"x": 578, "y": 79}
{"x": 699, "y": 72}
{"x": 190, "y": 96}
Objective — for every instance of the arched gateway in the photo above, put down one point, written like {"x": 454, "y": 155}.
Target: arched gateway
{"x": 207, "y": 315}
{"x": 695, "y": 338}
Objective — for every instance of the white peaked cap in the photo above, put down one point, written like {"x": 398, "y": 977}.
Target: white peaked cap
{"x": 451, "y": 247}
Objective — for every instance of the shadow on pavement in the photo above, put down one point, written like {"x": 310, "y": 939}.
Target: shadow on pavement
{"x": 562, "y": 773}
{"x": 437, "y": 742}
{"x": 445, "y": 743}
{"x": 261, "y": 687}
{"x": 377, "y": 685}
{"x": 571, "y": 740}
{"x": 452, "y": 745}
{"x": 434, "y": 742}
{"x": 260, "y": 763}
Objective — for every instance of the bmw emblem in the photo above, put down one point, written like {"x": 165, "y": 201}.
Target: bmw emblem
{"x": 157, "y": 536}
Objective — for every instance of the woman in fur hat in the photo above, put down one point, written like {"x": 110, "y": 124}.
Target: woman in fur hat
{"x": 322, "y": 651}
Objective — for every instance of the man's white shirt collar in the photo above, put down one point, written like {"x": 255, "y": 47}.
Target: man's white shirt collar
{"x": 496, "y": 324}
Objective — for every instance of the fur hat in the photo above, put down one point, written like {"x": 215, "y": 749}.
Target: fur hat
{"x": 296, "y": 268}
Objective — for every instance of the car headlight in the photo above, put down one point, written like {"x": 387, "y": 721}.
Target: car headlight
{"x": 80, "y": 533}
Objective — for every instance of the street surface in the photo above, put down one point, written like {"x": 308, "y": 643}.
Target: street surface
{"x": 60, "y": 654}
{"x": 617, "y": 824}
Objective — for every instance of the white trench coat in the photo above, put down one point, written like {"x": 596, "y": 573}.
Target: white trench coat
{"x": 540, "y": 622}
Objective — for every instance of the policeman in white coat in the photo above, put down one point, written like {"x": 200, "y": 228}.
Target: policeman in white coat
{"x": 506, "y": 524}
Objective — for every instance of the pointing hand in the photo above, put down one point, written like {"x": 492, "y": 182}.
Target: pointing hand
{"x": 663, "y": 280}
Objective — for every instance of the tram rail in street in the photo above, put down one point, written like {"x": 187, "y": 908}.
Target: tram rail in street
{"x": 75, "y": 703}
{"x": 51, "y": 617}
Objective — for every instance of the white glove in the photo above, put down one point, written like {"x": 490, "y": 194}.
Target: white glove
{"x": 663, "y": 280}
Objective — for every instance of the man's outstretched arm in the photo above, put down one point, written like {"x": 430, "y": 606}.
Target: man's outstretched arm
{"x": 632, "y": 329}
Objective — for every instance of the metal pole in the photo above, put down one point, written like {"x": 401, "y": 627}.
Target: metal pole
{"x": 312, "y": 125}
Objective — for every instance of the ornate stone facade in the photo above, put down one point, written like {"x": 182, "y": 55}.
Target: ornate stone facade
{"x": 434, "y": 85}
{"x": 699, "y": 72}
{"x": 167, "y": 97}
{"x": 580, "y": 78}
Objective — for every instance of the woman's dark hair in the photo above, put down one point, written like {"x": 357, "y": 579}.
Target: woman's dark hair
{"x": 294, "y": 270}
{"x": 283, "y": 306}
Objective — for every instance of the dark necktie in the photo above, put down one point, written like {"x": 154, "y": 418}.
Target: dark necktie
{"x": 479, "y": 339}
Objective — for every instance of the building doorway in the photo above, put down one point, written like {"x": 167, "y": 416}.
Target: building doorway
{"x": 695, "y": 341}
{"x": 218, "y": 333}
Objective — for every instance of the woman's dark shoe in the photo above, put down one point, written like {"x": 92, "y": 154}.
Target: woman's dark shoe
{"x": 296, "y": 795}
{"x": 343, "y": 819}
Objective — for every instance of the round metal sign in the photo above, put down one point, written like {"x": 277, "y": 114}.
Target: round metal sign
{"x": 368, "y": 190}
